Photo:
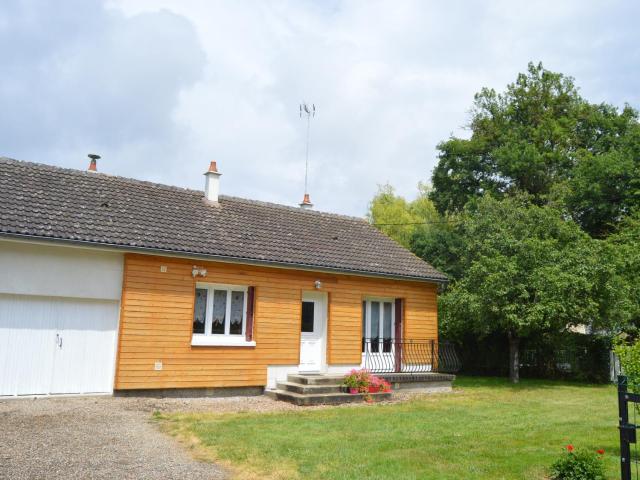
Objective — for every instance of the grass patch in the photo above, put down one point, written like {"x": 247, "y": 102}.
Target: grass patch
{"x": 487, "y": 429}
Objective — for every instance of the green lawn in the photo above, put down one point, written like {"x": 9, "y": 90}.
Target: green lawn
{"x": 487, "y": 429}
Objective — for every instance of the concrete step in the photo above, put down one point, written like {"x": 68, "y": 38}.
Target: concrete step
{"x": 326, "y": 398}
{"x": 306, "y": 389}
{"x": 427, "y": 382}
{"x": 315, "y": 379}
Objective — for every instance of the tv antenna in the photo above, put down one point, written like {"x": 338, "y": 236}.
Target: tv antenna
{"x": 308, "y": 111}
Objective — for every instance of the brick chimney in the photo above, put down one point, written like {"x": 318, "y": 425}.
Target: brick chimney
{"x": 212, "y": 183}
{"x": 306, "y": 202}
{"x": 93, "y": 164}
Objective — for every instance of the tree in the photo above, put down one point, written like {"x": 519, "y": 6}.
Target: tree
{"x": 623, "y": 249}
{"x": 398, "y": 218}
{"x": 521, "y": 140}
{"x": 538, "y": 134}
{"x": 527, "y": 270}
{"x": 418, "y": 226}
{"x": 532, "y": 215}
{"x": 442, "y": 245}
{"x": 605, "y": 182}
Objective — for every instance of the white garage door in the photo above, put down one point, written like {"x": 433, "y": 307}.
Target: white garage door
{"x": 54, "y": 345}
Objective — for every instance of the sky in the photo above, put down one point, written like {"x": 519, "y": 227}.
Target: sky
{"x": 159, "y": 88}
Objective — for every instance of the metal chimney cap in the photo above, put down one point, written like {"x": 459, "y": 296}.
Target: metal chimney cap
{"x": 93, "y": 156}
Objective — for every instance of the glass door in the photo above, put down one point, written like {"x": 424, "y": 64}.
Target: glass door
{"x": 378, "y": 333}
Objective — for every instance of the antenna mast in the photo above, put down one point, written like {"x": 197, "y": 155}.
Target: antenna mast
{"x": 308, "y": 111}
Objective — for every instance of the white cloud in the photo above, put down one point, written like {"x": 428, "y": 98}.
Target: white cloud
{"x": 160, "y": 87}
{"x": 102, "y": 83}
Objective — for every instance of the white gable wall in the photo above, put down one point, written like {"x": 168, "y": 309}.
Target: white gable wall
{"x": 57, "y": 271}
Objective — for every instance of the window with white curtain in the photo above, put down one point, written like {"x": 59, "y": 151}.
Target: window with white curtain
{"x": 220, "y": 312}
{"x": 378, "y": 322}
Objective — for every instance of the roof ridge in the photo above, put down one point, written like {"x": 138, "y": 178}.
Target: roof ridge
{"x": 64, "y": 204}
{"x": 292, "y": 208}
{"x": 76, "y": 171}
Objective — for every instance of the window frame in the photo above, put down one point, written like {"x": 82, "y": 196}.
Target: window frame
{"x": 367, "y": 317}
{"x": 226, "y": 338}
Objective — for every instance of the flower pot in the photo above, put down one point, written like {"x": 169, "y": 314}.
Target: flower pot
{"x": 373, "y": 389}
{"x": 353, "y": 390}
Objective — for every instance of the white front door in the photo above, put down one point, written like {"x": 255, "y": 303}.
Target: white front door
{"x": 56, "y": 345}
{"x": 313, "y": 332}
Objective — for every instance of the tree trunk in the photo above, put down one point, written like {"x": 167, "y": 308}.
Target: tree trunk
{"x": 514, "y": 358}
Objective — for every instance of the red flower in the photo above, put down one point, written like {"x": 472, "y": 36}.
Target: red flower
{"x": 601, "y": 451}
{"x": 570, "y": 448}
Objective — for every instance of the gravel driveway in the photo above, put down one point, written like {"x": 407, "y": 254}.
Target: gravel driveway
{"x": 105, "y": 437}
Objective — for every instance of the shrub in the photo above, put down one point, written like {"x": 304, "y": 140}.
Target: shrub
{"x": 578, "y": 465}
{"x": 629, "y": 355}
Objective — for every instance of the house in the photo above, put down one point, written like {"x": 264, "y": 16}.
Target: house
{"x": 110, "y": 284}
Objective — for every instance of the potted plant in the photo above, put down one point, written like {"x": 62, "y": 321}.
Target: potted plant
{"x": 384, "y": 385}
{"x": 351, "y": 382}
{"x": 378, "y": 384}
{"x": 374, "y": 386}
{"x": 357, "y": 381}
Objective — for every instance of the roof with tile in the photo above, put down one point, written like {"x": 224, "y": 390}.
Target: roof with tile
{"x": 48, "y": 202}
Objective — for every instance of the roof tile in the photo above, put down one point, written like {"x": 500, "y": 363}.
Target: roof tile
{"x": 57, "y": 203}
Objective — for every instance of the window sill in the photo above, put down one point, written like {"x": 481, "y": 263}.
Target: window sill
{"x": 207, "y": 341}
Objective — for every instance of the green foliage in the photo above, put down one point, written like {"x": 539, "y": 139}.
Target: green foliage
{"x": 541, "y": 137}
{"x": 527, "y": 270}
{"x": 417, "y": 225}
{"x": 522, "y": 139}
{"x": 605, "y": 179}
{"x": 603, "y": 189}
{"x": 518, "y": 268}
{"x": 442, "y": 245}
{"x": 398, "y": 218}
{"x": 530, "y": 271}
{"x": 623, "y": 250}
{"x": 580, "y": 465}
{"x": 629, "y": 355}
{"x": 535, "y": 217}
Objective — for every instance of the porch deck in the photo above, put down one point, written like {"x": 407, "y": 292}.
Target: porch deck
{"x": 417, "y": 365}
{"x": 323, "y": 389}
{"x": 428, "y": 382}
{"x": 409, "y": 356}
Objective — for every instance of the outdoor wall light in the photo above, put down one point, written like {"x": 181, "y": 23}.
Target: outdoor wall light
{"x": 195, "y": 271}
{"x": 318, "y": 284}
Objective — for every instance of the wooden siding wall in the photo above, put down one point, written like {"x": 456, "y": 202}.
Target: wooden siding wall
{"x": 157, "y": 313}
